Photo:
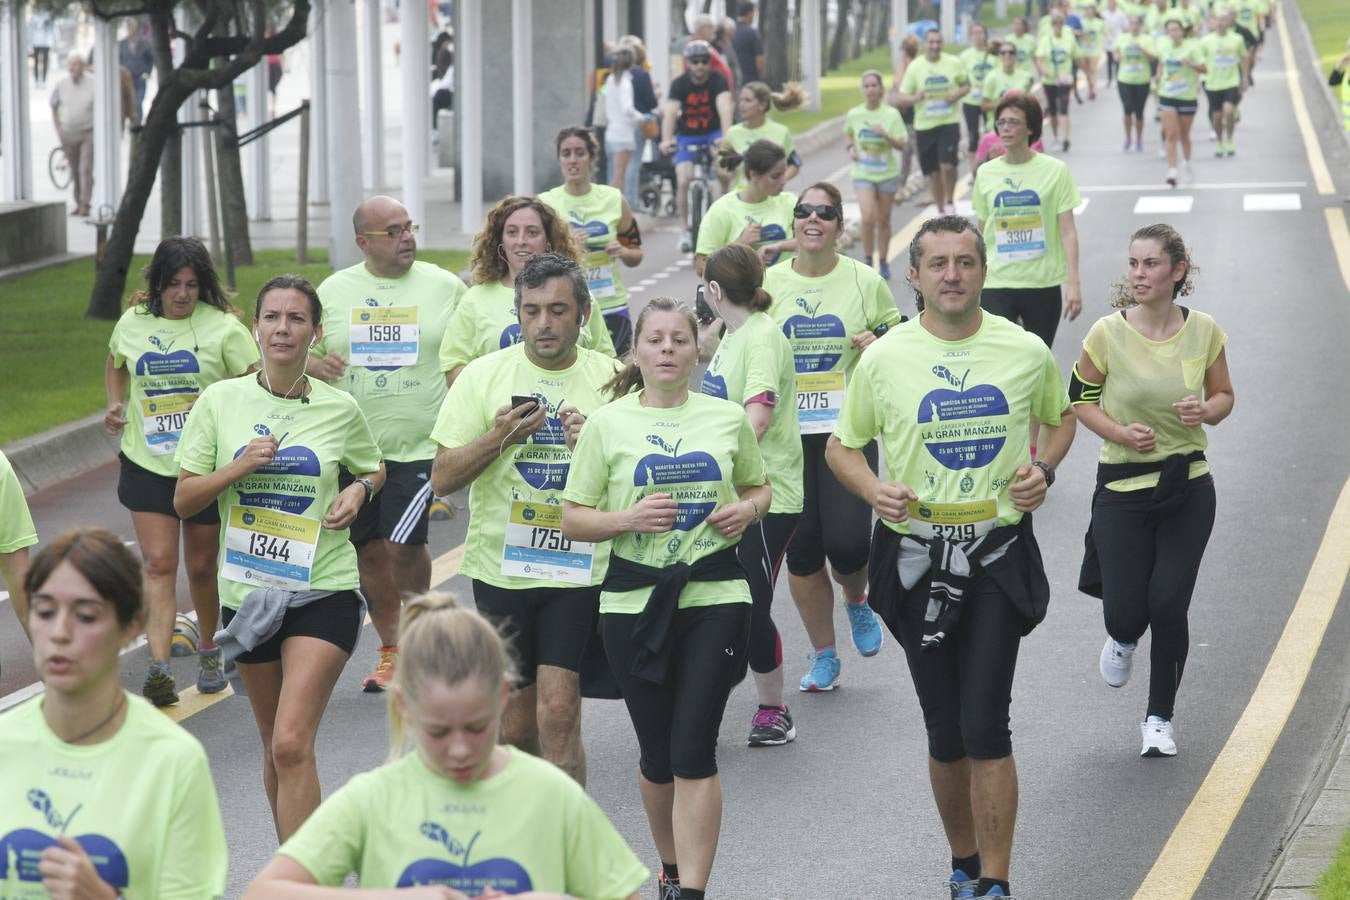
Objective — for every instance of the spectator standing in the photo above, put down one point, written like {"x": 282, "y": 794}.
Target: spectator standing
{"x": 72, "y": 103}
{"x": 621, "y": 116}
{"x": 725, "y": 45}
{"x": 138, "y": 57}
{"x": 645, "y": 102}
{"x": 40, "y": 34}
{"x": 748, "y": 43}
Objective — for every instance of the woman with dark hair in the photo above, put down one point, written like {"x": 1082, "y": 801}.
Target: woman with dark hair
{"x": 517, "y": 230}
{"x": 104, "y": 796}
{"x": 1149, "y": 378}
{"x": 265, "y": 452}
{"x": 179, "y": 336}
{"x": 674, "y": 479}
{"x": 754, "y": 367}
{"x": 602, "y": 223}
{"x": 758, "y": 214}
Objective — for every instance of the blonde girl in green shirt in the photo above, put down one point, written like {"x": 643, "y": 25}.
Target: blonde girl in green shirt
{"x": 179, "y": 335}
{"x": 1177, "y": 83}
{"x": 461, "y": 815}
{"x": 873, "y": 132}
{"x": 753, "y": 104}
{"x": 104, "y": 796}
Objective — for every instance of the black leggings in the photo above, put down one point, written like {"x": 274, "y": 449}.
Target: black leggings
{"x": 965, "y": 684}
{"x": 761, "y": 554}
{"x": 1112, "y": 64}
{"x": 1037, "y": 309}
{"x": 1148, "y": 575}
{"x": 1133, "y": 97}
{"x": 835, "y": 524}
{"x": 41, "y": 56}
{"x": 974, "y": 122}
{"x": 677, "y": 722}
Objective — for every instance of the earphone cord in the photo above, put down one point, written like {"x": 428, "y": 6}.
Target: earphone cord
{"x": 502, "y": 446}
{"x": 267, "y": 378}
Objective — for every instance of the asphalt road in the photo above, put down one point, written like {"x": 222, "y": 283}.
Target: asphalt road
{"x": 846, "y": 811}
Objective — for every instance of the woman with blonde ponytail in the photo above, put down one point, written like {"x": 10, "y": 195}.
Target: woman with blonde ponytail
{"x": 462, "y": 815}
{"x": 753, "y": 103}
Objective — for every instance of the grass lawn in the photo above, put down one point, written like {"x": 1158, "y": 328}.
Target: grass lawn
{"x": 1329, "y": 22}
{"x": 55, "y": 355}
{"x": 1335, "y": 881}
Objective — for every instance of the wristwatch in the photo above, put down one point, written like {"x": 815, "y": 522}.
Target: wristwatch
{"x": 370, "y": 487}
{"x": 1046, "y": 469}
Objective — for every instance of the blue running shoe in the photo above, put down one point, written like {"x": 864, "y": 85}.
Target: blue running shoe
{"x": 867, "y": 636}
{"x": 824, "y": 674}
{"x": 996, "y": 891}
{"x": 962, "y": 885}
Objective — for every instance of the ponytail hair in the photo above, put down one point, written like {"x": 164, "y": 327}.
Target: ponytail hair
{"x": 437, "y": 639}
{"x": 759, "y": 157}
{"x": 739, "y": 273}
{"x": 790, "y": 97}
{"x": 629, "y": 378}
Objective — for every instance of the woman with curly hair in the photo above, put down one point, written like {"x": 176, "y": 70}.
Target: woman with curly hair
{"x": 517, "y": 230}
{"x": 1150, "y": 376}
{"x": 179, "y": 335}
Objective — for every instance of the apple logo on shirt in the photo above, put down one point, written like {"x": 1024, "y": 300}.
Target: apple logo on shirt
{"x": 816, "y": 340}
{"x": 672, "y": 467}
{"x": 714, "y": 385}
{"x": 21, "y": 849}
{"x": 541, "y": 468}
{"x": 295, "y": 461}
{"x": 499, "y": 873}
{"x": 592, "y": 232}
{"x": 164, "y": 360}
{"x": 963, "y": 428}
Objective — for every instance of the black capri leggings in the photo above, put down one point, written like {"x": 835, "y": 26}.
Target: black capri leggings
{"x": 974, "y": 125}
{"x": 1133, "y": 97}
{"x": 1148, "y": 575}
{"x": 1037, "y": 309}
{"x": 965, "y": 684}
{"x": 761, "y": 554}
{"x": 835, "y": 524}
{"x": 677, "y": 722}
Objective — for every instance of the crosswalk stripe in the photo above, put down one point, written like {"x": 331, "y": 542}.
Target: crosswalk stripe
{"x": 1271, "y": 202}
{"x": 1167, "y": 204}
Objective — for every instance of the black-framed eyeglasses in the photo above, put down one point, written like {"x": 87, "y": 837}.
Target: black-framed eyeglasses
{"x": 823, "y": 211}
{"x": 1010, "y": 123}
{"x": 394, "y": 232}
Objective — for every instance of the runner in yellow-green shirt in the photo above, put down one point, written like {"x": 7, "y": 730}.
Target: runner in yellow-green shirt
{"x": 1009, "y": 76}
{"x": 935, "y": 83}
{"x": 1056, "y": 54}
{"x": 604, "y": 227}
{"x": 873, "y": 131}
{"x": 980, "y": 60}
{"x": 100, "y": 794}
{"x": 383, "y": 321}
{"x": 460, "y": 810}
{"x": 1181, "y": 62}
{"x": 1226, "y": 79}
{"x": 17, "y": 534}
{"x": 753, "y": 104}
{"x": 1135, "y": 54}
{"x": 179, "y": 336}
{"x": 1338, "y": 78}
{"x": 758, "y": 214}
{"x": 1025, "y": 42}
{"x": 1091, "y": 42}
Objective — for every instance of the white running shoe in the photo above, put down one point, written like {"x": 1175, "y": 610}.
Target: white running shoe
{"x": 1115, "y": 662}
{"x": 686, "y": 241}
{"x": 1158, "y": 738}
{"x": 1187, "y": 173}
{"x": 1171, "y": 177}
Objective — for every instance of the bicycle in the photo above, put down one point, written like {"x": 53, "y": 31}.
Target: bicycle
{"x": 58, "y": 168}
{"x": 699, "y": 193}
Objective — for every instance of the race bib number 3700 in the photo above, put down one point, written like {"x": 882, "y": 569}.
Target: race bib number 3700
{"x": 162, "y": 417}
{"x": 385, "y": 336}
{"x": 269, "y": 548}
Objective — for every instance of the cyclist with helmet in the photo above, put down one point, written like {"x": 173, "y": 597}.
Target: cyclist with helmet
{"x": 697, "y": 113}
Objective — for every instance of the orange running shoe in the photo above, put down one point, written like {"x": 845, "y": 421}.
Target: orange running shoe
{"x": 378, "y": 680}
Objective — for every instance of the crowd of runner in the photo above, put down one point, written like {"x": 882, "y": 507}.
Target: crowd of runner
{"x": 627, "y": 524}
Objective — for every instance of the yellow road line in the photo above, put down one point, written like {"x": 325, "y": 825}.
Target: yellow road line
{"x": 191, "y": 702}
{"x": 1318, "y": 164}
{"x": 446, "y": 566}
{"x": 1188, "y": 853}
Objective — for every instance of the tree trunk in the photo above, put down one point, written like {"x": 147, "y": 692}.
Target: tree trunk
{"x": 230, "y": 175}
{"x": 171, "y": 157}
{"x": 773, "y": 22}
{"x": 839, "y": 44}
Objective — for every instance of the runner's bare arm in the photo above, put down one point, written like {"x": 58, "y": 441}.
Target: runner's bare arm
{"x": 283, "y": 879}
{"x": 456, "y": 467}
{"x": 195, "y": 492}
{"x": 653, "y": 514}
{"x": 888, "y": 498}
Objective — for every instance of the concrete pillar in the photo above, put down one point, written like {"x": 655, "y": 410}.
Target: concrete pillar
{"x": 811, "y": 44}
{"x": 372, "y": 95}
{"x": 344, "y": 122}
{"x": 522, "y": 94}
{"x": 1001, "y": 8}
{"x": 469, "y": 98}
{"x": 318, "y": 108}
{"x": 656, "y": 20}
{"x": 414, "y": 49}
{"x": 107, "y": 121}
{"x": 609, "y": 21}
{"x": 16, "y": 143}
{"x": 258, "y": 153}
{"x": 947, "y": 13}
{"x": 899, "y": 24}
{"x": 194, "y": 218}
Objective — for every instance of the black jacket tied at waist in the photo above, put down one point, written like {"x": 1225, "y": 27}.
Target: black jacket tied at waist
{"x": 1170, "y": 492}
{"x": 654, "y": 629}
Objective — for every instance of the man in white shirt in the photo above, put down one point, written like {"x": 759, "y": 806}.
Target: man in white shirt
{"x": 72, "y": 104}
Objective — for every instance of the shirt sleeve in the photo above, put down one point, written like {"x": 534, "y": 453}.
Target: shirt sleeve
{"x": 979, "y": 199}
{"x": 761, "y": 365}
{"x": 1217, "y": 341}
{"x": 462, "y": 419}
{"x": 1067, "y": 191}
{"x": 857, "y": 423}
{"x": 1052, "y": 398}
{"x": 599, "y": 863}
{"x": 198, "y": 441}
{"x": 714, "y": 231}
{"x": 588, "y": 473}
{"x": 880, "y": 305}
{"x": 114, "y": 346}
{"x": 16, "y": 522}
{"x": 361, "y": 453}
{"x": 457, "y": 345}
{"x": 748, "y": 468}
{"x": 1095, "y": 345}
{"x": 330, "y": 843}
{"x": 238, "y": 350}
{"x": 195, "y": 856}
{"x": 910, "y": 83}
{"x": 897, "y": 127}
{"x": 596, "y": 336}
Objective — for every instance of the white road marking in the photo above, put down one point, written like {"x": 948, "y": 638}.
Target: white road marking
{"x": 1271, "y": 202}
{"x": 1214, "y": 186}
{"x": 646, "y": 282}
{"x": 1164, "y": 203}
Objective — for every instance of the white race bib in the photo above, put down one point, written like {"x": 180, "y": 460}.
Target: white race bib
{"x": 599, "y": 273}
{"x": 269, "y": 548}
{"x": 820, "y": 395}
{"x": 162, "y": 419}
{"x": 961, "y": 521}
{"x": 535, "y": 546}
{"x": 1019, "y": 237}
{"x": 384, "y": 336}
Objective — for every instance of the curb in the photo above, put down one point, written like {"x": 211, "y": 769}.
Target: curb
{"x": 38, "y": 265}
{"x": 819, "y": 135}
{"x": 1327, "y": 94}
{"x": 66, "y": 451}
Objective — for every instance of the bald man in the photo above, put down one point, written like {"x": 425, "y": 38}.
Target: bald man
{"x": 72, "y": 103}
{"x": 383, "y": 322}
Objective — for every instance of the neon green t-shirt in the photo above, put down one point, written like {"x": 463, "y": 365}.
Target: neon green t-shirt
{"x": 485, "y": 321}
{"x": 171, "y": 361}
{"x": 699, "y": 453}
{"x": 1057, "y": 55}
{"x": 868, "y": 129}
{"x": 999, "y": 83}
{"x": 936, "y": 80}
{"x": 1026, "y": 50}
{"x": 1019, "y": 208}
{"x": 515, "y": 504}
{"x": 1144, "y": 378}
{"x": 819, "y": 316}
{"x": 1090, "y": 44}
{"x": 1134, "y": 52}
{"x": 16, "y": 522}
{"x": 751, "y": 361}
{"x": 740, "y": 136}
{"x": 1345, "y": 102}
{"x": 594, "y": 218}
{"x": 528, "y": 828}
{"x": 1223, "y": 54}
{"x": 729, "y": 214}
{"x": 271, "y": 532}
{"x": 1155, "y": 23}
{"x": 141, "y": 804}
{"x": 1176, "y": 80}
{"x": 953, "y": 418}
{"x": 978, "y": 66}
{"x": 389, "y": 331}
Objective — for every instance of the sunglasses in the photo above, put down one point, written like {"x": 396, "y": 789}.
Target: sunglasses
{"x": 696, "y": 60}
{"x": 824, "y": 211}
{"x": 1007, "y": 53}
